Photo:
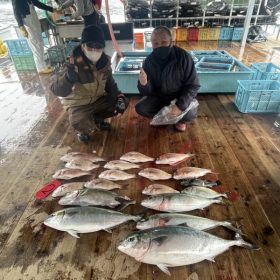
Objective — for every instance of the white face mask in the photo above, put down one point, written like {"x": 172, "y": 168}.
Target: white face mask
{"x": 92, "y": 55}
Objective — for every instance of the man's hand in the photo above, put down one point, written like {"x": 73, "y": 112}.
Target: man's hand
{"x": 122, "y": 104}
{"x": 72, "y": 71}
{"x": 175, "y": 110}
{"x": 23, "y": 31}
{"x": 143, "y": 77}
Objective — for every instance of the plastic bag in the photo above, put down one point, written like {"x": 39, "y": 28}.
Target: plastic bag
{"x": 165, "y": 117}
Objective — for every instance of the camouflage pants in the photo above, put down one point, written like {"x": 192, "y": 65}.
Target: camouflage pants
{"x": 84, "y": 118}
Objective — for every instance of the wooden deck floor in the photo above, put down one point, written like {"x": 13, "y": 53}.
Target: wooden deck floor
{"x": 242, "y": 148}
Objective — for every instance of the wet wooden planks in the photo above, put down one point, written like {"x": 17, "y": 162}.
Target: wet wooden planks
{"x": 221, "y": 138}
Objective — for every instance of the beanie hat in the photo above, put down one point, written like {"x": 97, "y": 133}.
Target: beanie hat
{"x": 93, "y": 34}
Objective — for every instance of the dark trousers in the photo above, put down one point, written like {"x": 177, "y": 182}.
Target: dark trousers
{"x": 92, "y": 19}
{"x": 149, "y": 106}
{"x": 84, "y": 118}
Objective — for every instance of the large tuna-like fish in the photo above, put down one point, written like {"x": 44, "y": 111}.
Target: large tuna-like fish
{"x": 95, "y": 197}
{"x": 67, "y": 173}
{"x": 102, "y": 184}
{"x": 155, "y": 174}
{"x": 80, "y": 155}
{"x": 178, "y": 202}
{"x": 82, "y": 164}
{"x": 66, "y": 188}
{"x": 190, "y": 172}
{"x": 172, "y": 158}
{"x": 115, "y": 175}
{"x": 175, "y": 219}
{"x": 172, "y": 246}
{"x": 203, "y": 192}
{"x": 136, "y": 157}
{"x": 155, "y": 189}
{"x": 120, "y": 165}
{"x": 77, "y": 220}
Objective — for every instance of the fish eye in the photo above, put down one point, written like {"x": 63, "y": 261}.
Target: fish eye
{"x": 131, "y": 239}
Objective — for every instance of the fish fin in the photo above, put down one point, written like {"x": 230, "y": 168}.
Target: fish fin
{"x": 73, "y": 233}
{"x": 242, "y": 243}
{"x": 183, "y": 225}
{"x": 211, "y": 259}
{"x": 108, "y": 230}
{"x": 164, "y": 268}
{"x": 159, "y": 240}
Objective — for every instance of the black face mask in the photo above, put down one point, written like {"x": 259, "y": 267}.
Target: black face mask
{"x": 162, "y": 52}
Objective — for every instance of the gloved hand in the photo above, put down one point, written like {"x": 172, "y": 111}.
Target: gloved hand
{"x": 72, "y": 71}
{"x": 23, "y": 31}
{"x": 122, "y": 104}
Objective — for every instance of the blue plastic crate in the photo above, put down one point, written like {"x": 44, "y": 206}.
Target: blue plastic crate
{"x": 258, "y": 96}
{"x": 70, "y": 45}
{"x": 226, "y": 33}
{"x": 200, "y": 54}
{"x": 24, "y": 62}
{"x": 266, "y": 71}
{"x": 237, "y": 33}
{"x": 212, "y": 67}
{"x": 218, "y": 59}
{"x": 129, "y": 66}
{"x": 18, "y": 47}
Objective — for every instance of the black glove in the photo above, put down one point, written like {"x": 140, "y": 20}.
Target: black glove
{"x": 71, "y": 73}
{"x": 122, "y": 104}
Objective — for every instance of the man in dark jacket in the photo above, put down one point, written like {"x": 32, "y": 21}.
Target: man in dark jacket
{"x": 168, "y": 73}
{"x": 87, "y": 88}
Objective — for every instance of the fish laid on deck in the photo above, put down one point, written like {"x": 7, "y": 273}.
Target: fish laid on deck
{"x": 66, "y": 188}
{"x": 172, "y": 158}
{"x": 178, "y": 202}
{"x": 120, "y": 165}
{"x": 190, "y": 173}
{"x": 155, "y": 189}
{"x": 172, "y": 246}
{"x": 80, "y": 155}
{"x": 175, "y": 219}
{"x": 82, "y": 164}
{"x": 77, "y": 220}
{"x": 203, "y": 192}
{"x": 199, "y": 183}
{"x": 67, "y": 173}
{"x": 94, "y": 197}
{"x": 115, "y": 175}
{"x": 155, "y": 174}
{"x": 136, "y": 157}
{"x": 102, "y": 184}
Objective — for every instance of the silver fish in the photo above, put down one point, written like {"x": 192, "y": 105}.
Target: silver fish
{"x": 95, "y": 197}
{"x": 102, "y": 184}
{"x": 136, "y": 157}
{"x": 66, "y": 188}
{"x": 155, "y": 189}
{"x": 200, "y": 183}
{"x": 172, "y": 246}
{"x": 175, "y": 219}
{"x": 203, "y": 192}
{"x": 80, "y": 155}
{"x": 67, "y": 173}
{"x": 190, "y": 172}
{"x": 178, "y": 202}
{"x": 120, "y": 165}
{"x": 77, "y": 220}
{"x": 115, "y": 175}
{"x": 155, "y": 174}
{"x": 82, "y": 164}
{"x": 172, "y": 158}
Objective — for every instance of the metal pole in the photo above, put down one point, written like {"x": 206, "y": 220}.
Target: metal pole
{"x": 258, "y": 11}
{"x": 230, "y": 14}
{"x": 177, "y": 13}
{"x": 247, "y": 22}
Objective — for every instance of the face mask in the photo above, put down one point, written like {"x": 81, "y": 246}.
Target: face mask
{"x": 92, "y": 55}
{"x": 162, "y": 52}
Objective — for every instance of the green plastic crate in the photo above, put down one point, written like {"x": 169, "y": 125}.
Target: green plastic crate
{"x": 24, "y": 62}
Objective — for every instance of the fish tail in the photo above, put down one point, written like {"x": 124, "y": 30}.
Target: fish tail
{"x": 237, "y": 228}
{"x": 124, "y": 202}
{"x": 220, "y": 200}
{"x": 242, "y": 243}
{"x": 136, "y": 218}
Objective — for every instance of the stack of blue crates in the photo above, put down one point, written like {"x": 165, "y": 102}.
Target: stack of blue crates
{"x": 262, "y": 93}
{"x": 21, "y": 54}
